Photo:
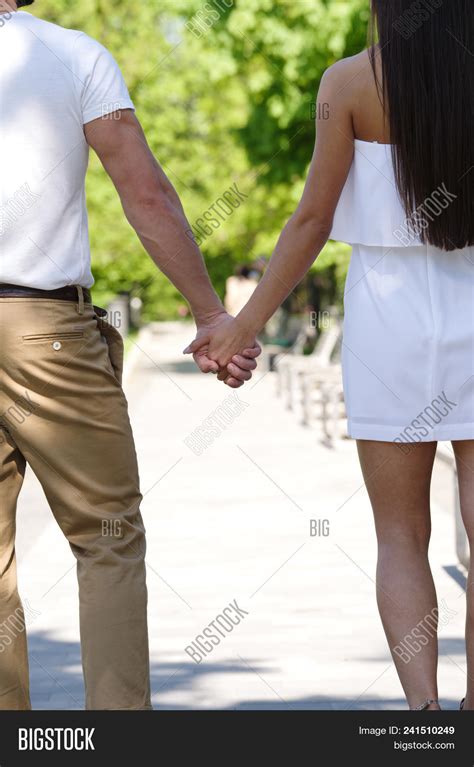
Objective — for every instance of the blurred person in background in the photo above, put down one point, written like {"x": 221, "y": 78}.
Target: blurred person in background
{"x": 238, "y": 288}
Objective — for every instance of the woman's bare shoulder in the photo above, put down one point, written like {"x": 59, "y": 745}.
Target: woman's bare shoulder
{"x": 349, "y": 76}
{"x": 349, "y": 86}
{"x": 350, "y": 67}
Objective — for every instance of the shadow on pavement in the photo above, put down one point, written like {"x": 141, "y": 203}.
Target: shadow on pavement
{"x": 56, "y": 683}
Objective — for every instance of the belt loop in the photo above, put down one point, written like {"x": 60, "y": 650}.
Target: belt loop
{"x": 80, "y": 299}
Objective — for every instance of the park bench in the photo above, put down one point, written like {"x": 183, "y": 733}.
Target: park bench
{"x": 291, "y": 338}
{"x": 292, "y": 367}
{"x": 322, "y": 398}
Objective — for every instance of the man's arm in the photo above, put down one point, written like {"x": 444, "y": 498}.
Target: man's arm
{"x": 154, "y": 210}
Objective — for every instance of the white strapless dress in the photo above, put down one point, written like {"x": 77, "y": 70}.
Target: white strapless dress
{"x": 408, "y": 347}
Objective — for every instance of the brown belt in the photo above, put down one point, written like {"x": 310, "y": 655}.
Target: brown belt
{"x": 68, "y": 293}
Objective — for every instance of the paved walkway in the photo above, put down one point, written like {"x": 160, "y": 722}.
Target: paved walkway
{"x": 234, "y": 524}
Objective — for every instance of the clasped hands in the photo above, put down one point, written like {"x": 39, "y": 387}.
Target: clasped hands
{"x": 222, "y": 346}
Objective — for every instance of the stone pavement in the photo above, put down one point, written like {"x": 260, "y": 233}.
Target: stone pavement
{"x": 233, "y": 523}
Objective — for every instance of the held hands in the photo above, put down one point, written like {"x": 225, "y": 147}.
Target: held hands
{"x": 223, "y": 347}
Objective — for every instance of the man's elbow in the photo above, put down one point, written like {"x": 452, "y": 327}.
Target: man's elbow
{"x": 146, "y": 205}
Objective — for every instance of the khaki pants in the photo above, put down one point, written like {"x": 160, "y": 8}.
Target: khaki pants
{"x": 63, "y": 411}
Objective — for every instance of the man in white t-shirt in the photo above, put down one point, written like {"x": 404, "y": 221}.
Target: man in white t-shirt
{"x": 62, "y": 408}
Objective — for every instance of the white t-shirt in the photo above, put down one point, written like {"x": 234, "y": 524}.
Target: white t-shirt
{"x": 52, "y": 82}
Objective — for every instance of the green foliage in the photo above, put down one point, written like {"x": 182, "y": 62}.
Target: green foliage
{"x": 282, "y": 50}
{"x": 231, "y": 104}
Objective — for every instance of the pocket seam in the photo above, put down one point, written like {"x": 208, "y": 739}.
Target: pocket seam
{"x": 38, "y": 337}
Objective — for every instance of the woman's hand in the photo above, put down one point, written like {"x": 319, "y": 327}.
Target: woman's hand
{"x": 223, "y": 346}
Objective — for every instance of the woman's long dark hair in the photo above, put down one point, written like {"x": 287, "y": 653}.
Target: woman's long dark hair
{"x": 427, "y": 52}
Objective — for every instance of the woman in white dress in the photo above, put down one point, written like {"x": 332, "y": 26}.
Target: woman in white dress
{"x": 392, "y": 174}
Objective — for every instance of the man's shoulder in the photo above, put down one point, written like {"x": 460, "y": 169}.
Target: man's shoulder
{"x": 49, "y": 30}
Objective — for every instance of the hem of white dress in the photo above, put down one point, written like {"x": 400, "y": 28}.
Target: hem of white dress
{"x": 384, "y": 433}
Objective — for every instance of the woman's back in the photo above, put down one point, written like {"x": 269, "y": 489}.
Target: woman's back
{"x": 370, "y": 122}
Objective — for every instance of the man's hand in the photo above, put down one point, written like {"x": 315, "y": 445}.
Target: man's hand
{"x": 239, "y": 368}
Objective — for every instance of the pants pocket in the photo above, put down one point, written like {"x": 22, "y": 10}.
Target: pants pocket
{"x": 114, "y": 344}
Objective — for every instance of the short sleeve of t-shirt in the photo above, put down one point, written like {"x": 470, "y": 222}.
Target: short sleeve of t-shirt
{"x": 98, "y": 79}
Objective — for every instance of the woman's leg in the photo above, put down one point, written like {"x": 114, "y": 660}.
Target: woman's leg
{"x": 464, "y": 452}
{"x": 398, "y": 482}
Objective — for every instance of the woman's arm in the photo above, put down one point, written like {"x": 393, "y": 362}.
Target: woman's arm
{"x": 308, "y": 229}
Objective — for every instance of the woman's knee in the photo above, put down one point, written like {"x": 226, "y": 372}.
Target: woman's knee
{"x": 404, "y": 543}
